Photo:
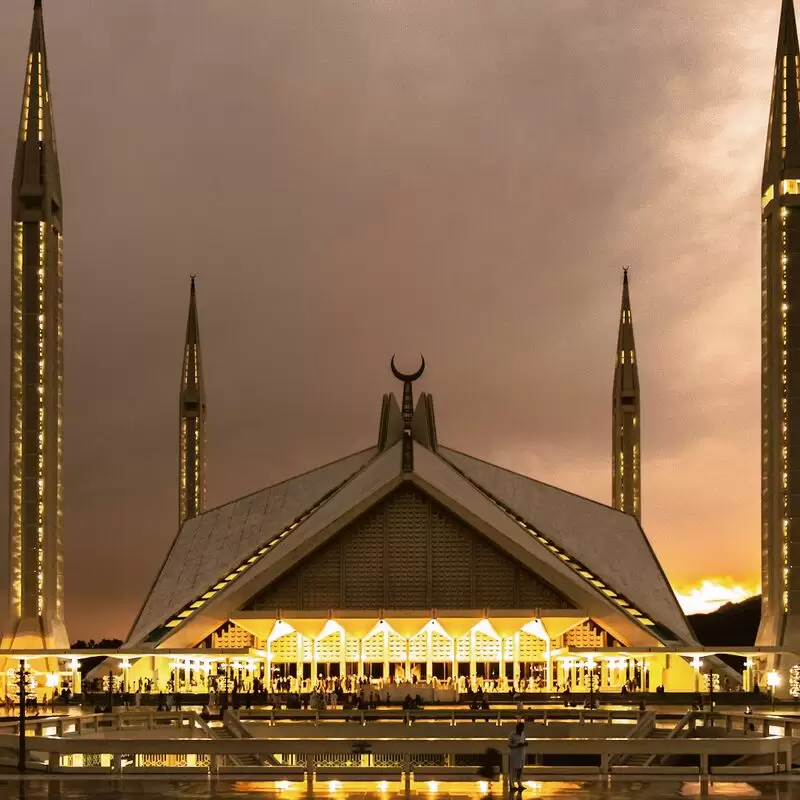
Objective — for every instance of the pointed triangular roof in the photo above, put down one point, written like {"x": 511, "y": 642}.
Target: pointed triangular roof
{"x": 610, "y": 544}
{"x": 626, "y": 373}
{"x": 215, "y": 543}
{"x": 36, "y": 171}
{"x": 782, "y": 157}
{"x": 593, "y": 554}
{"x": 192, "y": 372}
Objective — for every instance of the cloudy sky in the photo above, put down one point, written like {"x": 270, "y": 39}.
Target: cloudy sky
{"x": 353, "y": 179}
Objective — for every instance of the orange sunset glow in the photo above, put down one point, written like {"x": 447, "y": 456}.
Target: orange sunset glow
{"x": 713, "y": 593}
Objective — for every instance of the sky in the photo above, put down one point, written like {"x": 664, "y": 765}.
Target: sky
{"x": 351, "y": 180}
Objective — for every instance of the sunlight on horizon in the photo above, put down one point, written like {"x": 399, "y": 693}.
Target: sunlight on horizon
{"x": 712, "y": 593}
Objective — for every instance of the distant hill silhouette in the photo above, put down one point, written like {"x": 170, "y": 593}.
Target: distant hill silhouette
{"x": 731, "y": 624}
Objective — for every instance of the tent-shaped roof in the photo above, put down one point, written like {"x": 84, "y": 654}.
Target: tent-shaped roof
{"x": 598, "y": 556}
{"x": 212, "y": 544}
{"x": 609, "y": 543}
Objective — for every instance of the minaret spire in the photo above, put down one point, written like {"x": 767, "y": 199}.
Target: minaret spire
{"x": 782, "y": 156}
{"x": 780, "y": 357}
{"x": 36, "y": 582}
{"x": 192, "y": 433}
{"x": 626, "y": 477}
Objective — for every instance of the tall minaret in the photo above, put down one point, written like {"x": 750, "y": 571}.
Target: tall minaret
{"x": 36, "y": 581}
{"x": 626, "y": 472}
{"x": 192, "y": 440}
{"x": 780, "y": 353}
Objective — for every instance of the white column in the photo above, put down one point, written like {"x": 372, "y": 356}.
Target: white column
{"x": 473, "y": 670}
{"x": 429, "y": 646}
{"x": 343, "y": 654}
{"x": 314, "y": 666}
{"x": 299, "y": 661}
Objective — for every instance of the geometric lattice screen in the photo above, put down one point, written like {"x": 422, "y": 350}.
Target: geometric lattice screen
{"x": 408, "y": 553}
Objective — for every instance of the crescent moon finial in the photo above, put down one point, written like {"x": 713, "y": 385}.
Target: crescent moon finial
{"x": 401, "y": 376}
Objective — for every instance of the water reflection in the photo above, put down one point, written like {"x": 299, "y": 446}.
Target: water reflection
{"x": 134, "y": 788}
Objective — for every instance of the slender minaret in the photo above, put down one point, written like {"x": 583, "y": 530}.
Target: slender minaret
{"x": 192, "y": 440}
{"x": 36, "y": 580}
{"x": 626, "y": 472}
{"x": 780, "y": 353}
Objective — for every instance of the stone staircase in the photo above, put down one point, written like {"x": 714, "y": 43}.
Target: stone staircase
{"x": 643, "y": 759}
{"x": 646, "y": 729}
{"x": 242, "y": 760}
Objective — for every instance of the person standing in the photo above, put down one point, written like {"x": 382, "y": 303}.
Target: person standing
{"x": 517, "y": 752}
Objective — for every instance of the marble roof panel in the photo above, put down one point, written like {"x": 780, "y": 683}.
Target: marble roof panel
{"x": 213, "y": 543}
{"x": 609, "y": 543}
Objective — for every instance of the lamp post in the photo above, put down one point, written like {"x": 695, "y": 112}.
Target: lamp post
{"x": 773, "y": 681}
{"x": 22, "y": 701}
{"x": 697, "y": 662}
{"x": 711, "y": 690}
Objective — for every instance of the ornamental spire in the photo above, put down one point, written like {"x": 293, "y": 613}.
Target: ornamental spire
{"x": 782, "y": 157}
{"x": 408, "y": 412}
{"x": 37, "y": 182}
{"x": 36, "y": 503}
{"x": 625, "y": 436}
{"x": 192, "y": 440}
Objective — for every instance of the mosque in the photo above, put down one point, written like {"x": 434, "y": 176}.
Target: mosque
{"x": 407, "y": 562}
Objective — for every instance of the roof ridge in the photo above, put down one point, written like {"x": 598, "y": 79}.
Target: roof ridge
{"x": 630, "y": 517}
{"x": 237, "y": 500}
{"x": 288, "y": 480}
{"x": 534, "y": 480}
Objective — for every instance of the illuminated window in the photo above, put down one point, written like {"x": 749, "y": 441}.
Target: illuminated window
{"x": 766, "y": 198}
{"x": 790, "y": 187}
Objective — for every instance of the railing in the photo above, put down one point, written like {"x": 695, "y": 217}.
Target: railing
{"x": 232, "y": 722}
{"x": 453, "y": 716}
{"x": 57, "y": 754}
{"x": 643, "y": 728}
{"x": 55, "y": 744}
{"x": 687, "y": 720}
{"x": 63, "y": 726}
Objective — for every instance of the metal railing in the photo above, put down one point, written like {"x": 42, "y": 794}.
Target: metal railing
{"x": 499, "y": 716}
{"x": 357, "y": 757}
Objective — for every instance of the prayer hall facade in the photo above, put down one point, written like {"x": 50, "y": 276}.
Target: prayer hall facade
{"x": 410, "y": 562}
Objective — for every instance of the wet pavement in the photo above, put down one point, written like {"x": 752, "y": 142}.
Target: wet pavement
{"x": 12, "y": 787}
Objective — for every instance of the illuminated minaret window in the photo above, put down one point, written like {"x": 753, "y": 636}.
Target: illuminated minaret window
{"x": 192, "y": 436}
{"x": 37, "y": 369}
{"x": 780, "y": 350}
{"x": 626, "y": 471}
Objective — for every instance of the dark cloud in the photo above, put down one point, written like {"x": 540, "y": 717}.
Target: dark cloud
{"x": 353, "y": 179}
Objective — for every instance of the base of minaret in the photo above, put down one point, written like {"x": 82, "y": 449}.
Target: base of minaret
{"x": 36, "y": 633}
{"x": 779, "y": 630}
{"x": 27, "y": 636}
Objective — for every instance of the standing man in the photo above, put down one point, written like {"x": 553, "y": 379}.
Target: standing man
{"x": 517, "y": 752}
